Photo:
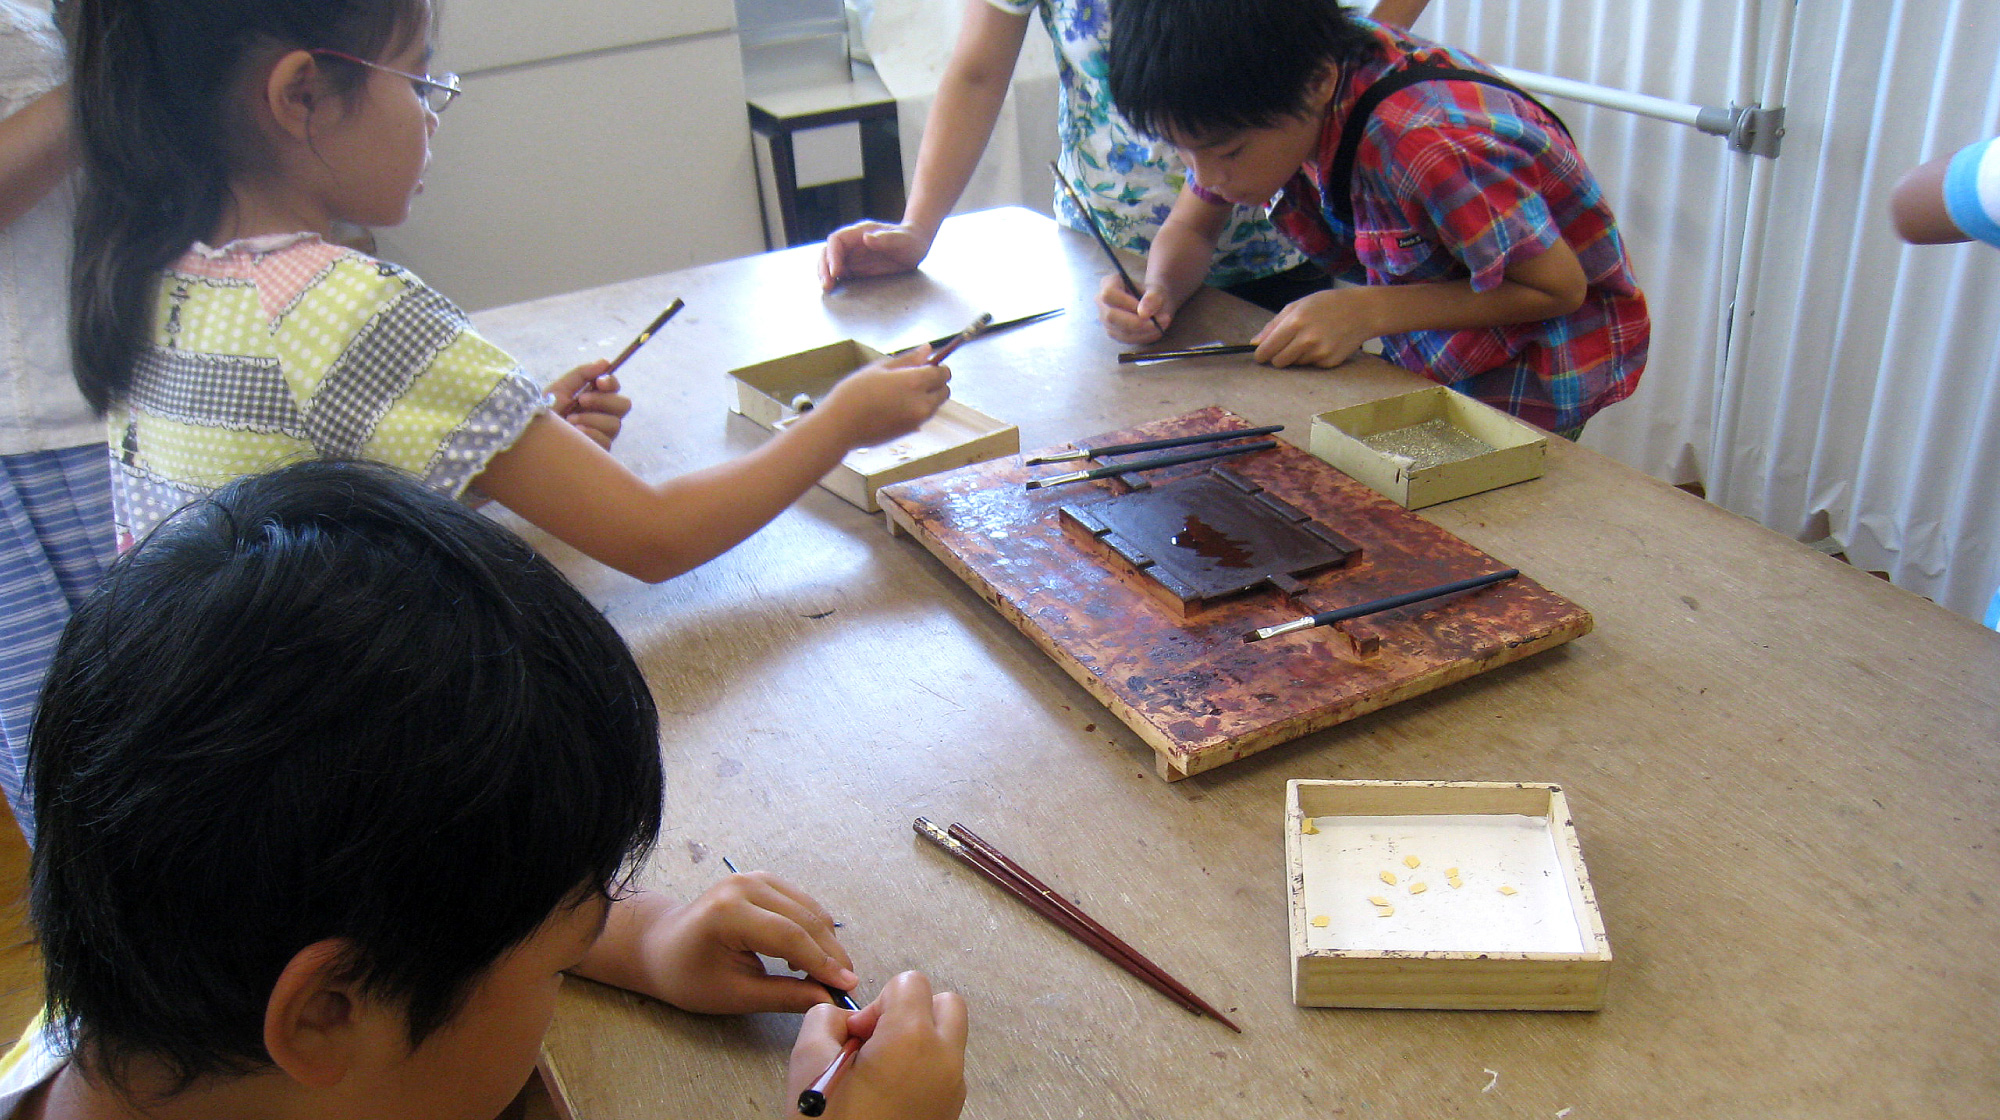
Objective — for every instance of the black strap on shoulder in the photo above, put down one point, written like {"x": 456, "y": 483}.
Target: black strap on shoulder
{"x": 1339, "y": 185}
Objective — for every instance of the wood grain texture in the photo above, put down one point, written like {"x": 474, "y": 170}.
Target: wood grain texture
{"x": 1191, "y": 687}
{"x": 1781, "y": 769}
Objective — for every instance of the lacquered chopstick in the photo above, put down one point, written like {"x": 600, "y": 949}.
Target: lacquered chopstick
{"x": 1004, "y": 324}
{"x": 971, "y": 839}
{"x": 1150, "y": 464}
{"x": 998, "y": 876}
{"x": 1130, "y": 356}
{"x": 1103, "y": 242}
{"x": 1324, "y": 618}
{"x": 1151, "y": 445}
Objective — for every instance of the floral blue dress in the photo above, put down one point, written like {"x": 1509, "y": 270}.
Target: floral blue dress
{"x": 1130, "y": 181}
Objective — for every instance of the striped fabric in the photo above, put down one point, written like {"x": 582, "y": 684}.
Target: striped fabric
{"x": 55, "y": 542}
{"x": 273, "y": 350}
{"x": 1457, "y": 181}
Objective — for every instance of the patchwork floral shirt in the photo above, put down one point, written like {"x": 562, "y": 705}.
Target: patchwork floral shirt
{"x": 1130, "y": 181}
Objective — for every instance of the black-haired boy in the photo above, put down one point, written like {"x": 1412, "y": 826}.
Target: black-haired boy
{"x": 1485, "y": 255}
{"x": 336, "y": 780}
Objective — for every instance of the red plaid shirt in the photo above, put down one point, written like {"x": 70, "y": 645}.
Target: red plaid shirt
{"x": 1456, "y": 181}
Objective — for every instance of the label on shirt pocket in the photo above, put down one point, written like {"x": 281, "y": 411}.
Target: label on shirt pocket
{"x": 1395, "y": 252}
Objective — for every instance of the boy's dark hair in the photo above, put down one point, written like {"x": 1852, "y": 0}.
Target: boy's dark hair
{"x": 1205, "y": 68}
{"x": 159, "y": 127}
{"x": 322, "y": 703}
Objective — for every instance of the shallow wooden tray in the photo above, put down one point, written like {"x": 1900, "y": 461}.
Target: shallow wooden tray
{"x": 1519, "y": 450}
{"x": 1496, "y": 914}
{"x": 957, "y": 435}
{"x": 1190, "y": 687}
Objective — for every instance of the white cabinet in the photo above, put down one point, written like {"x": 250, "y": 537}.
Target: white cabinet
{"x": 595, "y": 143}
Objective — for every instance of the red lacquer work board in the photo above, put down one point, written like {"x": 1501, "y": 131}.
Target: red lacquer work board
{"x": 1192, "y": 689}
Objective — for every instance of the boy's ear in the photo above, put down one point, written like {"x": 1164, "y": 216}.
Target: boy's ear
{"x": 294, "y": 88}
{"x": 1323, "y": 88}
{"x": 317, "y": 1027}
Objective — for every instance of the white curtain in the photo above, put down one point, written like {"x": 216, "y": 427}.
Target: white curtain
{"x": 1809, "y": 369}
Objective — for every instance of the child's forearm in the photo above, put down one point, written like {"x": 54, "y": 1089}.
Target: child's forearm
{"x": 35, "y": 153}
{"x": 1451, "y": 306}
{"x": 961, "y": 119}
{"x": 618, "y": 957}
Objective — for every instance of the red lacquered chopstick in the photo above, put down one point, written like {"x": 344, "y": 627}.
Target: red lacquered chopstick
{"x": 971, "y": 839}
{"x": 1065, "y": 915}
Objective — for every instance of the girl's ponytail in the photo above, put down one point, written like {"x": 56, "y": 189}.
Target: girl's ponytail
{"x": 159, "y": 131}
{"x": 156, "y": 175}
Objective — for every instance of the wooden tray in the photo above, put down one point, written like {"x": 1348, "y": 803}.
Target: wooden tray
{"x": 1191, "y": 688}
{"x": 958, "y": 434}
{"x": 1469, "y": 895}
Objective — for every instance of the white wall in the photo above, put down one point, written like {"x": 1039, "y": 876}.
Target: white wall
{"x": 595, "y": 142}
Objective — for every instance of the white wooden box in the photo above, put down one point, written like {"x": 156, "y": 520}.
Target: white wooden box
{"x": 1518, "y": 449}
{"x": 957, "y": 436}
{"x": 1520, "y": 930}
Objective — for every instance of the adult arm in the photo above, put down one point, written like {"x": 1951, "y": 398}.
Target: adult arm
{"x": 35, "y": 153}
{"x": 1918, "y": 209}
{"x": 968, "y": 101}
{"x": 1399, "y": 13}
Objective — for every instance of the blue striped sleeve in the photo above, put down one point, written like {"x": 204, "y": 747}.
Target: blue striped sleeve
{"x": 1972, "y": 191}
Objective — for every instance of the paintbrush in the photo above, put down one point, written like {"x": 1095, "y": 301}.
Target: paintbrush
{"x": 972, "y": 330}
{"x": 1148, "y": 445}
{"x": 1103, "y": 242}
{"x": 812, "y": 1099}
{"x": 840, "y": 998}
{"x": 632, "y": 347}
{"x": 1391, "y": 603}
{"x": 1132, "y": 356}
{"x": 1149, "y": 464}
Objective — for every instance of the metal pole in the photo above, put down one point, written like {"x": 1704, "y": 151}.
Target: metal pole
{"x": 1710, "y": 119}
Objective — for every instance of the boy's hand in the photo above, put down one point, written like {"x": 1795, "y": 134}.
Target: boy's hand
{"x": 600, "y": 411}
{"x": 890, "y": 398}
{"x": 702, "y": 955}
{"x": 1323, "y": 329}
{"x": 1129, "y": 320}
{"x": 870, "y": 249}
{"x": 912, "y": 1066}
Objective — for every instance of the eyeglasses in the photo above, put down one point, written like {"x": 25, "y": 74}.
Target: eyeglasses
{"x": 436, "y": 93}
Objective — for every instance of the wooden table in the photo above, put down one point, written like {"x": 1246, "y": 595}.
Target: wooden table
{"x": 1785, "y": 773}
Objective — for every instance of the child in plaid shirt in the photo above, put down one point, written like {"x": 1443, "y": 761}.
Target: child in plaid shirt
{"x": 1485, "y": 254}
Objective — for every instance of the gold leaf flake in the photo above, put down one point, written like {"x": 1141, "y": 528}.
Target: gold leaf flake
{"x": 1307, "y": 826}
{"x": 1508, "y": 890}
{"x": 1386, "y": 911}
{"x": 1412, "y": 862}
{"x": 1389, "y": 877}
{"x": 1321, "y": 920}
{"x": 1418, "y": 888}
{"x": 1378, "y": 900}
